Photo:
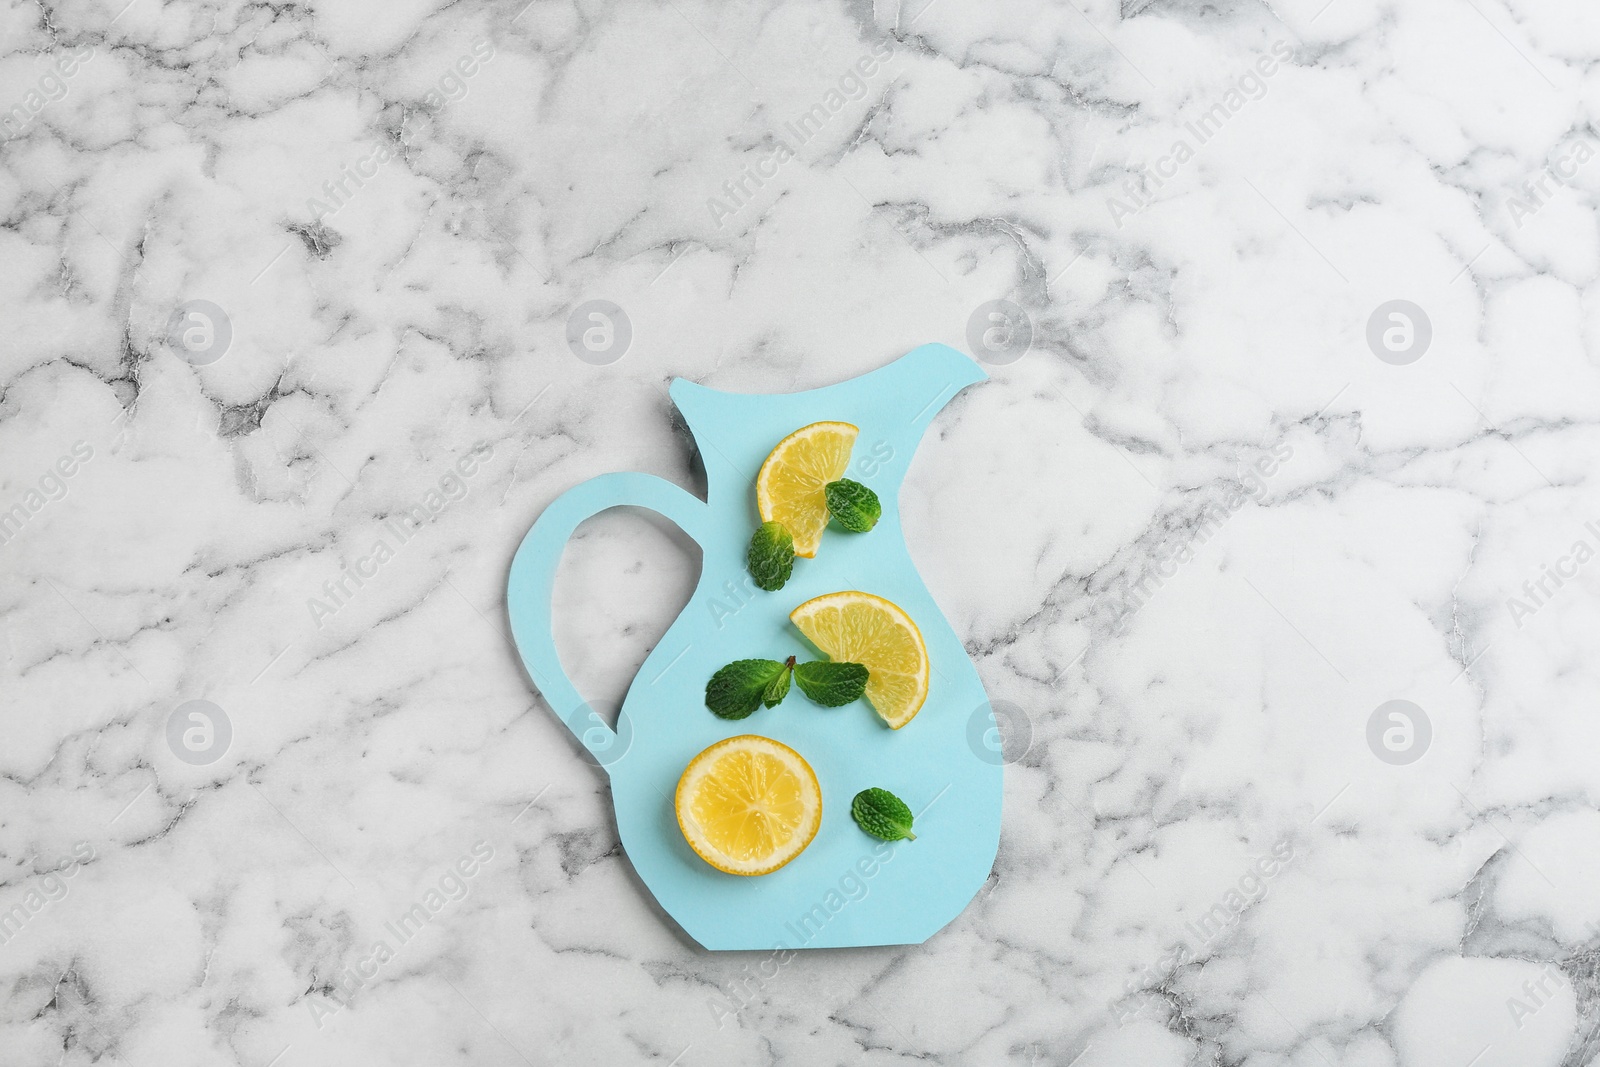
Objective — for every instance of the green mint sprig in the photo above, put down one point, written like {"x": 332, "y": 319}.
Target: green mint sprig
{"x": 882, "y": 814}
{"x": 853, "y": 505}
{"x": 830, "y": 684}
{"x": 744, "y": 685}
{"x": 771, "y": 556}
{"x": 741, "y": 687}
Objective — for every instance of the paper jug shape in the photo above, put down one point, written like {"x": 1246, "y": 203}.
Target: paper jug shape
{"x": 846, "y": 888}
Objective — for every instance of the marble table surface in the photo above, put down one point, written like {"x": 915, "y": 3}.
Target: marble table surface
{"x": 1274, "y": 523}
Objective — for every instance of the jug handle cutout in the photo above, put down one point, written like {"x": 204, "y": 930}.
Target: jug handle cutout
{"x": 532, "y": 581}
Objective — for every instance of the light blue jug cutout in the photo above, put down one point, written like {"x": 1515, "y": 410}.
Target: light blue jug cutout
{"x": 846, "y": 888}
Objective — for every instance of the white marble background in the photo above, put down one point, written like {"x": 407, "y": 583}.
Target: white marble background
{"x": 1440, "y": 912}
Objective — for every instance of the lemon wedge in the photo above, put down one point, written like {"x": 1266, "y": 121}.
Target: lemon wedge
{"x": 858, "y": 627}
{"x": 789, "y": 487}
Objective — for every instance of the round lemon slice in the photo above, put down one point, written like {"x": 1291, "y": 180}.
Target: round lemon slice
{"x": 858, "y": 627}
{"x": 789, "y": 487}
{"x": 748, "y": 805}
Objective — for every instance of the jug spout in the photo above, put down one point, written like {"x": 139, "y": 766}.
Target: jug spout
{"x": 892, "y": 405}
{"x": 917, "y": 386}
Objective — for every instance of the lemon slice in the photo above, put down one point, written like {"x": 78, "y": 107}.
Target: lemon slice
{"x": 789, "y": 488}
{"x": 858, "y": 627}
{"x": 748, "y": 805}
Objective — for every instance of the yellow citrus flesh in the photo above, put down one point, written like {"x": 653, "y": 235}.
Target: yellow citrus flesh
{"x": 789, "y": 486}
{"x": 856, "y": 627}
{"x": 748, "y": 805}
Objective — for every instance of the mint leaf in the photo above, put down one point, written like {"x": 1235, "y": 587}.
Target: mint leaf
{"x": 853, "y": 505}
{"x": 778, "y": 688}
{"x": 771, "y": 556}
{"x": 882, "y": 814}
{"x": 831, "y": 684}
{"x": 739, "y": 688}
